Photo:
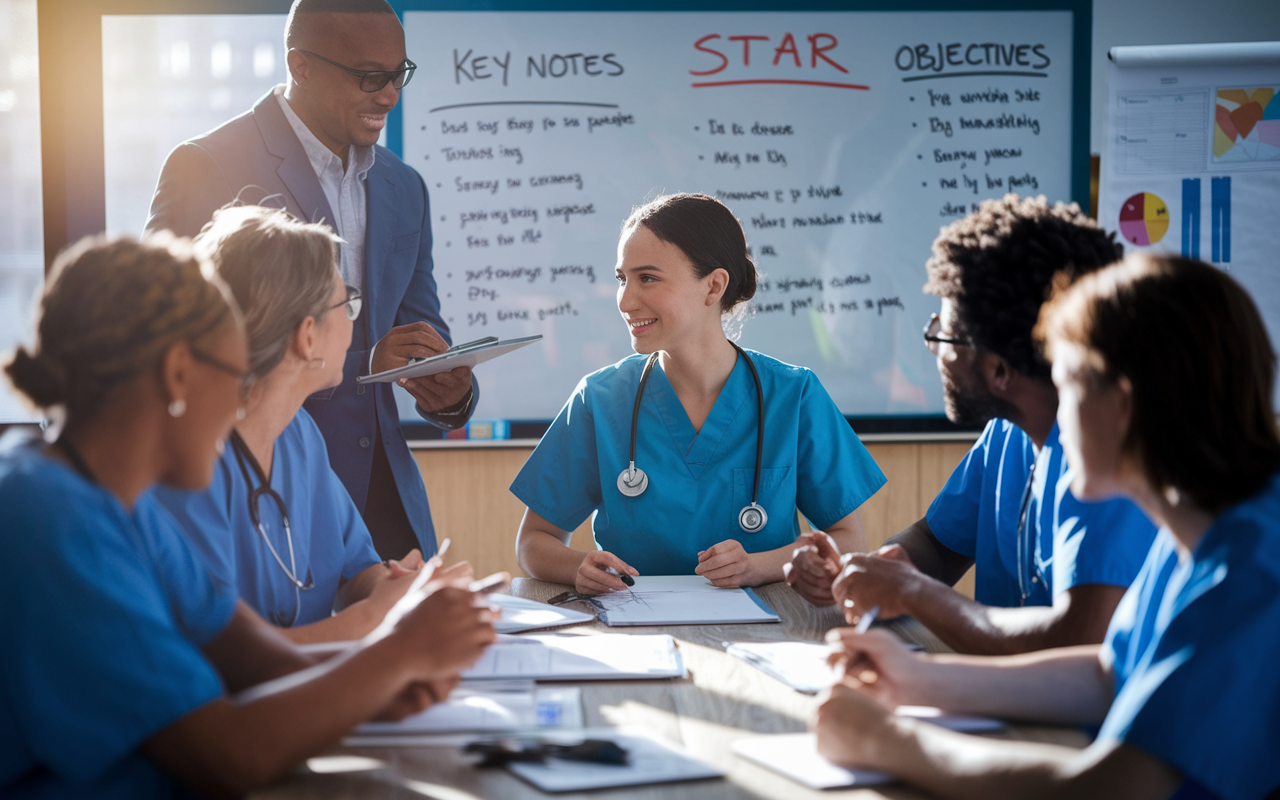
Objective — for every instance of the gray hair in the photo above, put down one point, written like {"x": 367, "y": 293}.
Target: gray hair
{"x": 279, "y": 269}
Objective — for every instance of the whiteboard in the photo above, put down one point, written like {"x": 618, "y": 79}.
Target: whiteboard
{"x": 1192, "y": 165}
{"x": 843, "y": 142}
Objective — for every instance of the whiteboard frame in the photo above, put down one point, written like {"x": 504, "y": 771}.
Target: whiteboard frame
{"x": 71, "y": 116}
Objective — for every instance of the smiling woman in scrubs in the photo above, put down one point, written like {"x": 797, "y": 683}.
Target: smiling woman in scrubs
{"x": 1165, "y": 374}
{"x": 277, "y": 525}
{"x": 682, "y": 267}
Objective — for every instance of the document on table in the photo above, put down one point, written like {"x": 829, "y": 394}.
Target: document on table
{"x": 566, "y": 657}
{"x": 520, "y": 614}
{"x": 486, "y": 706}
{"x": 800, "y": 665}
{"x": 649, "y": 760}
{"x": 795, "y": 755}
{"x": 680, "y": 600}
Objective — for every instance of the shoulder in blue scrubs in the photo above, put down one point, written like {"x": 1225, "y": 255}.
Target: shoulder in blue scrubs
{"x": 105, "y": 613}
{"x": 330, "y": 540}
{"x": 1194, "y": 650}
{"x": 1029, "y": 547}
{"x": 698, "y": 482}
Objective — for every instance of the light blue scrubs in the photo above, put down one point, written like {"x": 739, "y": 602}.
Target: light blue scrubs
{"x": 1194, "y": 647}
{"x": 1064, "y": 542}
{"x": 105, "y": 612}
{"x": 330, "y": 540}
{"x": 698, "y": 481}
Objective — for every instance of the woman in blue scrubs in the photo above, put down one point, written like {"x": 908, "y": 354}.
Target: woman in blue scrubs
{"x": 1165, "y": 375}
{"x": 277, "y": 525}
{"x": 682, "y": 267}
{"x": 119, "y": 650}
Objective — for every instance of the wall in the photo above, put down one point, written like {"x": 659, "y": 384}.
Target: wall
{"x": 471, "y": 505}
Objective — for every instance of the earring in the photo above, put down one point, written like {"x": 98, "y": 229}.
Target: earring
{"x": 177, "y": 408}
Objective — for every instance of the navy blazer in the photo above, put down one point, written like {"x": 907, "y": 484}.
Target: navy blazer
{"x": 257, "y": 158}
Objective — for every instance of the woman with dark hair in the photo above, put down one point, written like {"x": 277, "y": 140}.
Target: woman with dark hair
{"x": 693, "y": 454}
{"x": 277, "y": 525}
{"x": 1165, "y": 375}
{"x": 119, "y": 650}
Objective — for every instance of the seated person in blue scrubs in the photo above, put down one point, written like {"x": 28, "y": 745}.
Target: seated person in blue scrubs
{"x": 119, "y": 651}
{"x": 727, "y": 444}
{"x": 1165, "y": 375}
{"x": 277, "y": 525}
{"x": 1050, "y": 569}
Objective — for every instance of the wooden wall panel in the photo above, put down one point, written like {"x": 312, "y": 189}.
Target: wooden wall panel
{"x": 471, "y": 504}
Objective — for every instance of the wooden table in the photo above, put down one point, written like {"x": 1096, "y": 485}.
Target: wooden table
{"x": 723, "y": 700}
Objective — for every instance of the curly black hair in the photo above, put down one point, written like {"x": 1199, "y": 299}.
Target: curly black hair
{"x": 998, "y": 264}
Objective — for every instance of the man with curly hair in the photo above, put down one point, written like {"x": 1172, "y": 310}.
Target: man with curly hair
{"x": 1050, "y": 569}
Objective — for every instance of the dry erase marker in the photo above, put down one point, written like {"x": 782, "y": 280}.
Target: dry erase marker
{"x": 624, "y": 577}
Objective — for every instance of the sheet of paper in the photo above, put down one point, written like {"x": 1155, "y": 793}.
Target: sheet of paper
{"x": 605, "y": 656}
{"x": 800, "y": 665}
{"x": 679, "y": 600}
{"x": 796, "y": 756}
{"x": 520, "y": 614}
{"x": 650, "y": 760}
{"x": 488, "y": 706}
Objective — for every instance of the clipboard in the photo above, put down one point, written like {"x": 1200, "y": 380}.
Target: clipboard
{"x": 463, "y": 355}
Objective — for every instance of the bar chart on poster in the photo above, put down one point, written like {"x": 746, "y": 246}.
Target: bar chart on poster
{"x": 1192, "y": 161}
{"x": 842, "y": 141}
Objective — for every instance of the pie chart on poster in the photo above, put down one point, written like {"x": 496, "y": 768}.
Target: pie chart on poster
{"x": 1144, "y": 219}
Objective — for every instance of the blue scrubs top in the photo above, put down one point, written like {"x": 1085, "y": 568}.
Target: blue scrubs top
{"x": 330, "y": 540}
{"x": 105, "y": 612}
{"x": 1065, "y": 542}
{"x": 1194, "y": 650}
{"x": 698, "y": 482}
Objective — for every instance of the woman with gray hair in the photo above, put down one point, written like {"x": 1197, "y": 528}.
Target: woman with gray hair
{"x": 277, "y": 523}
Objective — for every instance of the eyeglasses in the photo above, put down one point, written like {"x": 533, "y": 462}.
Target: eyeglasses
{"x": 373, "y": 80}
{"x": 354, "y": 302}
{"x": 244, "y": 378}
{"x": 932, "y": 339}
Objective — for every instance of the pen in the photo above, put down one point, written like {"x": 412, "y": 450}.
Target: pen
{"x": 625, "y": 578}
{"x": 622, "y": 576}
{"x": 864, "y": 625}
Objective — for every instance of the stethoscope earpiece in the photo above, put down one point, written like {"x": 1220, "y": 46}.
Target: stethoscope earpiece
{"x": 632, "y": 481}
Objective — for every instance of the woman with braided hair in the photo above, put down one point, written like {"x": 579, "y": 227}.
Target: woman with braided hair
{"x": 119, "y": 649}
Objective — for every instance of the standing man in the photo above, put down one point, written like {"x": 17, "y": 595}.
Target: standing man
{"x": 1050, "y": 568}
{"x": 311, "y": 147}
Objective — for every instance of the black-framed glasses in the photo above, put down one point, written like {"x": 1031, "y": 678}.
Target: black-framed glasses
{"x": 244, "y": 378}
{"x": 354, "y": 302}
{"x": 932, "y": 338}
{"x": 373, "y": 80}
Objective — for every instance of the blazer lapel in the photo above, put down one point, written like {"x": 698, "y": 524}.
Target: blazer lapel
{"x": 309, "y": 202}
{"x": 379, "y": 217}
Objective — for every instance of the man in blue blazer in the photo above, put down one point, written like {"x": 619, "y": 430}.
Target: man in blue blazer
{"x": 311, "y": 147}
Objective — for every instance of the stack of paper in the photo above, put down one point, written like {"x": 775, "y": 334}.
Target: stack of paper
{"x": 605, "y": 656}
{"x": 680, "y": 600}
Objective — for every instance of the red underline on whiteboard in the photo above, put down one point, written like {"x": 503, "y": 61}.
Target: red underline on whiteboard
{"x": 786, "y": 83}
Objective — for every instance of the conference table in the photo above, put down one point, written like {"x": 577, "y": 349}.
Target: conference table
{"x": 722, "y": 699}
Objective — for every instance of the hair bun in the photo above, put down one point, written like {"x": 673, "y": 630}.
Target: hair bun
{"x": 40, "y": 378}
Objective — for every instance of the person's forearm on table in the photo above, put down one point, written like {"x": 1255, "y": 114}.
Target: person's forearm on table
{"x": 929, "y": 555}
{"x": 544, "y": 553}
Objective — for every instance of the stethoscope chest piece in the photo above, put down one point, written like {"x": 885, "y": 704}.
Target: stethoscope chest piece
{"x": 632, "y": 481}
{"x": 753, "y": 518}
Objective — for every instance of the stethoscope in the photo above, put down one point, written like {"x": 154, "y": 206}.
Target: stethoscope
{"x": 1027, "y": 572}
{"x": 264, "y": 490}
{"x": 632, "y": 481}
